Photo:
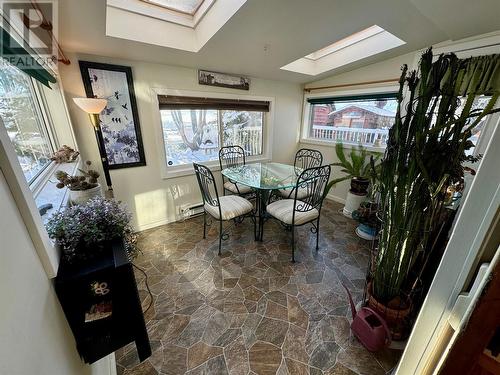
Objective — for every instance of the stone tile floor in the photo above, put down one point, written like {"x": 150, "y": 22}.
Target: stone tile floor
{"x": 251, "y": 311}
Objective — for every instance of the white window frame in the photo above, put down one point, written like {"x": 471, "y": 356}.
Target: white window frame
{"x": 306, "y": 111}
{"x": 47, "y": 132}
{"x": 187, "y": 169}
{"x": 24, "y": 194}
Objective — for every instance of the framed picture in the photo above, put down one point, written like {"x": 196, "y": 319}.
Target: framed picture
{"x": 119, "y": 120}
{"x": 223, "y": 80}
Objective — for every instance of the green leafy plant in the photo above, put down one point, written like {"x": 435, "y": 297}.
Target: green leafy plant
{"x": 81, "y": 230}
{"x": 425, "y": 154}
{"x": 361, "y": 164}
{"x": 87, "y": 180}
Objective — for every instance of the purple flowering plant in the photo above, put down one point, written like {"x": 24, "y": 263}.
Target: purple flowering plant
{"x": 81, "y": 230}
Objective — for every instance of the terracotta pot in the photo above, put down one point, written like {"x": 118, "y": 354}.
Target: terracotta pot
{"x": 359, "y": 186}
{"x": 395, "y": 317}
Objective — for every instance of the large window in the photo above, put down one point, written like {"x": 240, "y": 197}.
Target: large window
{"x": 194, "y": 132}
{"x": 21, "y": 115}
{"x": 366, "y": 119}
{"x": 354, "y": 119}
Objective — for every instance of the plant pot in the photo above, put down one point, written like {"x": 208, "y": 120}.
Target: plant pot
{"x": 359, "y": 186}
{"x": 82, "y": 196}
{"x": 394, "y": 313}
{"x": 366, "y": 232}
{"x": 352, "y": 203}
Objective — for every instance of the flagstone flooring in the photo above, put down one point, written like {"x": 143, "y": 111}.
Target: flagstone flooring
{"x": 252, "y": 311}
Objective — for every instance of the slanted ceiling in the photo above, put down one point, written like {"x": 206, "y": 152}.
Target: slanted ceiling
{"x": 264, "y": 35}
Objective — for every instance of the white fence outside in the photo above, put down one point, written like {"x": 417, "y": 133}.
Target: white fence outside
{"x": 377, "y": 137}
{"x": 249, "y": 137}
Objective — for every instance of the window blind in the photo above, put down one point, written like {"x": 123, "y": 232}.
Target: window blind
{"x": 191, "y": 102}
{"x": 336, "y": 99}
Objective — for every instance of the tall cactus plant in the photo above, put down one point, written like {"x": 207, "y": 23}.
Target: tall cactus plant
{"x": 426, "y": 148}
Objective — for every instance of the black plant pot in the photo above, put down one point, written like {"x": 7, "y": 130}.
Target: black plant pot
{"x": 359, "y": 186}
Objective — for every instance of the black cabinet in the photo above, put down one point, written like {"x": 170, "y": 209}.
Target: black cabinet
{"x": 101, "y": 303}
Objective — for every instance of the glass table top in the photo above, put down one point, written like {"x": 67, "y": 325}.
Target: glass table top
{"x": 267, "y": 176}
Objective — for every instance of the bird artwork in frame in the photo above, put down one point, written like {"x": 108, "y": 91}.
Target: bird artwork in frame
{"x": 119, "y": 121}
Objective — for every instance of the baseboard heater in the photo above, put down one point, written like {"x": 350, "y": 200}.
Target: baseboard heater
{"x": 191, "y": 210}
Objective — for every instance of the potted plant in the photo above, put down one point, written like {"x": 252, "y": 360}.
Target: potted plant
{"x": 425, "y": 154}
{"x": 82, "y": 187}
{"x": 357, "y": 167}
{"x": 84, "y": 231}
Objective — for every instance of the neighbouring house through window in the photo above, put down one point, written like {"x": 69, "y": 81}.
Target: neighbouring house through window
{"x": 194, "y": 129}
{"x": 364, "y": 119}
{"x": 21, "y": 114}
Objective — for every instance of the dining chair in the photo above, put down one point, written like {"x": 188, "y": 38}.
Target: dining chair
{"x": 304, "y": 158}
{"x": 229, "y": 157}
{"x": 294, "y": 212}
{"x": 225, "y": 208}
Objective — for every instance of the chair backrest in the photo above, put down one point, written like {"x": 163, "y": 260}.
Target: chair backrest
{"x": 306, "y": 158}
{"x": 207, "y": 185}
{"x": 231, "y": 156}
{"x": 313, "y": 181}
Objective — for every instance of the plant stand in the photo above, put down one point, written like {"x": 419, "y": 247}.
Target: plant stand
{"x": 352, "y": 203}
{"x": 101, "y": 303}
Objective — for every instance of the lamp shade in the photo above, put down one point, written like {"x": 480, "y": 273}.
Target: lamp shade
{"x": 91, "y": 105}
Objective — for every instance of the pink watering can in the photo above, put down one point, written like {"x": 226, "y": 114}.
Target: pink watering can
{"x": 369, "y": 327}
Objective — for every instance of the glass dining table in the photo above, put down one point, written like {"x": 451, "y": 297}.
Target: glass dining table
{"x": 263, "y": 178}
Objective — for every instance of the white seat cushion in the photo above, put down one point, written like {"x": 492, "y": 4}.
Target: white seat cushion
{"x": 283, "y": 211}
{"x": 301, "y": 193}
{"x": 231, "y": 206}
{"x": 243, "y": 189}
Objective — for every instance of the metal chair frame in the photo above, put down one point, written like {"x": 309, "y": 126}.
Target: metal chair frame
{"x": 305, "y": 158}
{"x": 315, "y": 181}
{"x": 206, "y": 182}
{"x": 229, "y": 157}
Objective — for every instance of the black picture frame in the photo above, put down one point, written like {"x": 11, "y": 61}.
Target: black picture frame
{"x": 136, "y": 150}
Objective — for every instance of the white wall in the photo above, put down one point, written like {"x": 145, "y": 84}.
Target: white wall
{"x": 380, "y": 71}
{"x": 153, "y": 200}
{"x": 34, "y": 335}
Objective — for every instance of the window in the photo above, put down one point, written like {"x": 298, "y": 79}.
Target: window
{"x": 182, "y": 6}
{"x": 194, "y": 129}
{"x": 354, "y": 119}
{"x": 21, "y": 115}
{"x": 479, "y": 102}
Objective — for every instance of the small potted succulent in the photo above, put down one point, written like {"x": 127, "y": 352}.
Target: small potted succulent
{"x": 82, "y": 187}
{"x": 86, "y": 231}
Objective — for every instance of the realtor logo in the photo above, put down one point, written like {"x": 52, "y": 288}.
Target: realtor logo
{"x": 29, "y": 32}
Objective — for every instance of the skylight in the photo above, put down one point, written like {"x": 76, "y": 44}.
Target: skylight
{"x": 181, "y": 24}
{"x": 358, "y": 46}
{"x": 183, "y": 6}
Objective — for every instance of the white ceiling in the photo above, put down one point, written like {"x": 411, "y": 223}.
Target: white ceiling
{"x": 265, "y": 35}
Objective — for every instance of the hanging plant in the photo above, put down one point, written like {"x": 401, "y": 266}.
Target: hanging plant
{"x": 425, "y": 154}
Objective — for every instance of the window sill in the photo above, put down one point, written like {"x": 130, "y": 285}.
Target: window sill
{"x": 346, "y": 145}
{"x": 187, "y": 170}
{"x": 47, "y": 192}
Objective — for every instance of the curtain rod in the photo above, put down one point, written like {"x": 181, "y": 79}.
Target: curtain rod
{"x": 309, "y": 89}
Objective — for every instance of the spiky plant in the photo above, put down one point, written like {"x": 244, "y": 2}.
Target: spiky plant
{"x": 426, "y": 148}
{"x": 358, "y": 165}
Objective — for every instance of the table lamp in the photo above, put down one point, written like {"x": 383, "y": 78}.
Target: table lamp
{"x": 94, "y": 107}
